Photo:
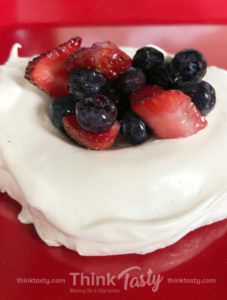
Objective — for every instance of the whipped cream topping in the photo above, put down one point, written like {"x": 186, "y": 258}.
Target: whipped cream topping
{"x": 131, "y": 200}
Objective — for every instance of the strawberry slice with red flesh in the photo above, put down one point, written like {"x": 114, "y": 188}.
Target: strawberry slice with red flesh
{"x": 170, "y": 114}
{"x": 94, "y": 141}
{"x": 47, "y": 71}
{"x": 145, "y": 93}
{"x": 104, "y": 57}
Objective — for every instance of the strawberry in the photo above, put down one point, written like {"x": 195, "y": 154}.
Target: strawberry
{"x": 104, "y": 57}
{"x": 47, "y": 71}
{"x": 145, "y": 93}
{"x": 170, "y": 114}
{"x": 94, "y": 141}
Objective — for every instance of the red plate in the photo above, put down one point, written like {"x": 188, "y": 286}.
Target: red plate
{"x": 193, "y": 268}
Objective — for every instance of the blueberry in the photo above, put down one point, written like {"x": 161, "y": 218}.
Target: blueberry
{"x": 147, "y": 57}
{"x": 120, "y": 100}
{"x": 133, "y": 128}
{"x": 131, "y": 80}
{"x": 85, "y": 82}
{"x": 158, "y": 75}
{"x": 202, "y": 94}
{"x": 188, "y": 65}
{"x": 96, "y": 113}
{"x": 61, "y": 107}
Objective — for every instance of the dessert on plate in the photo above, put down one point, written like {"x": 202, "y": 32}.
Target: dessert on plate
{"x": 114, "y": 151}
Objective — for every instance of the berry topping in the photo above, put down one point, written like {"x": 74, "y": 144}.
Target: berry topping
{"x": 131, "y": 80}
{"x": 85, "y": 82}
{"x": 104, "y": 57}
{"x": 47, "y": 70}
{"x": 95, "y": 141}
{"x": 96, "y": 114}
{"x": 133, "y": 128}
{"x": 171, "y": 114}
{"x": 187, "y": 66}
{"x": 147, "y": 57}
{"x": 202, "y": 94}
{"x": 59, "y": 108}
{"x": 98, "y": 85}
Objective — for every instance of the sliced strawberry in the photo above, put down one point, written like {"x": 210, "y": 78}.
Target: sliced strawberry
{"x": 145, "y": 93}
{"x": 104, "y": 57}
{"x": 47, "y": 70}
{"x": 95, "y": 141}
{"x": 170, "y": 114}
